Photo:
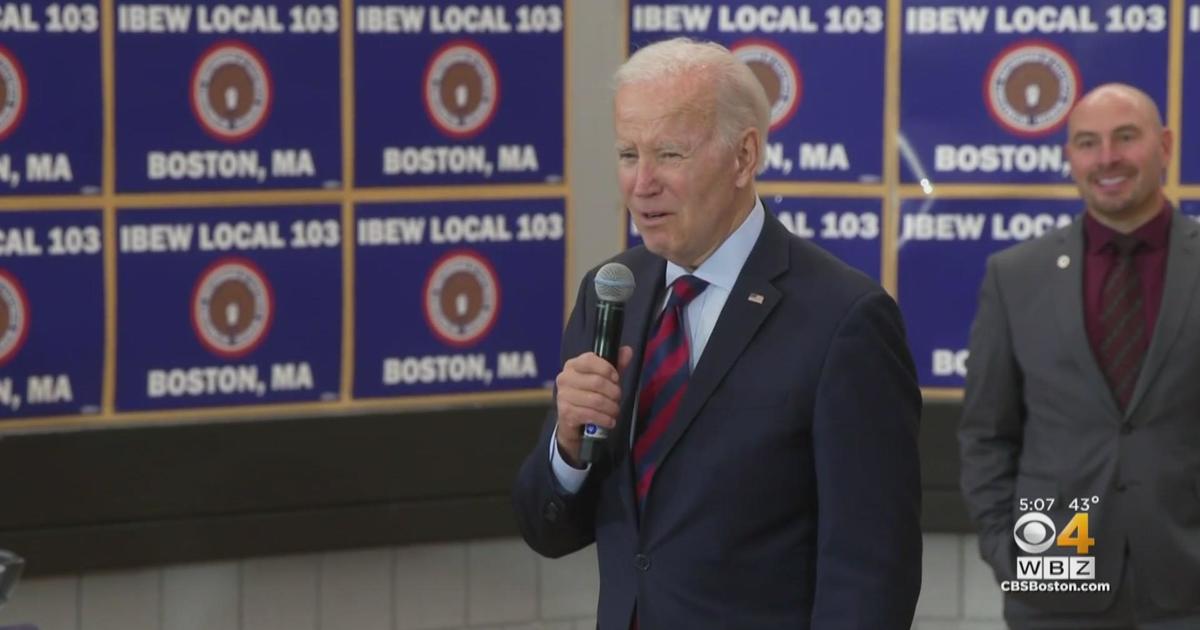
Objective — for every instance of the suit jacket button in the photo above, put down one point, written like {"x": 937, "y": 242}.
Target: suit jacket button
{"x": 641, "y": 562}
{"x": 1126, "y": 428}
{"x": 550, "y": 512}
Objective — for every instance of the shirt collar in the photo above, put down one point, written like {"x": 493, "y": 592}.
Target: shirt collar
{"x": 722, "y": 268}
{"x": 1153, "y": 234}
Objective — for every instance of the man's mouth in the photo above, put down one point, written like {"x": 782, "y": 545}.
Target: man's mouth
{"x": 1111, "y": 182}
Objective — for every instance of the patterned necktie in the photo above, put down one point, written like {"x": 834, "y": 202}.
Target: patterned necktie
{"x": 665, "y": 370}
{"x": 1122, "y": 322}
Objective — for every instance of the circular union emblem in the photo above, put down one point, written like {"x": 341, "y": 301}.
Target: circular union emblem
{"x": 462, "y": 298}
{"x": 232, "y": 307}
{"x": 1030, "y": 88}
{"x": 231, "y": 91}
{"x": 779, "y": 75}
{"x": 14, "y": 316}
{"x": 462, "y": 89}
{"x": 13, "y": 93}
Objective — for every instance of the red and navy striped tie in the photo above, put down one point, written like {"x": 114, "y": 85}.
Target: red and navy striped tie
{"x": 1122, "y": 322}
{"x": 665, "y": 369}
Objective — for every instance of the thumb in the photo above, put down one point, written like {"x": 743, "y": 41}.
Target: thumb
{"x": 624, "y": 358}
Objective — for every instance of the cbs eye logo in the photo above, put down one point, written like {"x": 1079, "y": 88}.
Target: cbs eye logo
{"x": 1035, "y": 533}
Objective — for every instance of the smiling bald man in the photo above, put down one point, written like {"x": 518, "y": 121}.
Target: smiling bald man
{"x": 1082, "y": 382}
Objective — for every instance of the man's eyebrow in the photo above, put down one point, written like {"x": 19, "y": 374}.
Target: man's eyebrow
{"x": 672, "y": 145}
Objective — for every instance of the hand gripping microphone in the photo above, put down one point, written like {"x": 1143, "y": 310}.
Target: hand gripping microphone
{"x": 614, "y": 286}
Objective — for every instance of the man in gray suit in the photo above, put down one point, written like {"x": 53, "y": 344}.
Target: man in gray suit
{"x": 1084, "y": 381}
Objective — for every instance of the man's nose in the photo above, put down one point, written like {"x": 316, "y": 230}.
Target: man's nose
{"x": 646, "y": 182}
{"x": 1109, "y": 154}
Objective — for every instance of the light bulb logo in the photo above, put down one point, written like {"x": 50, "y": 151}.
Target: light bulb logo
{"x": 1030, "y": 87}
{"x": 231, "y": 91}
{"x": 462, "y": 89}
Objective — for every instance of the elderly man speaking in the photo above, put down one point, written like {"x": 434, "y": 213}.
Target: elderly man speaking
{"x": 761, "y": 469}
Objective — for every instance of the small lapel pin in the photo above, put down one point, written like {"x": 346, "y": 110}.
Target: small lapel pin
{"x": 1064, "y": 261}
{"x": 757, "y": 298}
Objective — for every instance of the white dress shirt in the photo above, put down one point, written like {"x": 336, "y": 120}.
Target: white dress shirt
{"x": 720, "y": 271}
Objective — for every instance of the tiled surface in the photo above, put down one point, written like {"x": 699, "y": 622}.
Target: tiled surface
{"x": 356, "y": 590}
{"x": 477, "y": 585}
{"x": 941, "y": 584}
{"x": 430, "y": 587}
{"x": 982, "y": 598}
{"x": 570, "y": 585}
{"x": 120, "y": 600}
{"x": 50, "y": 603}
{"x": 503, "y": 583}
{"x": 201, "y": 597}
{"x": 280, "y": 593}
{"x": 940, "y": 624}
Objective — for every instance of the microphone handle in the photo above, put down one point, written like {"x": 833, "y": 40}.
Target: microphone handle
{"x": 610, "y": 317}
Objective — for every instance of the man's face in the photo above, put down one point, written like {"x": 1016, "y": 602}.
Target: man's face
{"x": 677, "y": 178}
{"x": 1118, "y": 151}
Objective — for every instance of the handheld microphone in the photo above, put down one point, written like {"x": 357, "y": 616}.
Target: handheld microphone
{"x": 614, "y": 286}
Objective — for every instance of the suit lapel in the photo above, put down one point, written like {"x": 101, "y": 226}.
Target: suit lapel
{"x": 640, "y": 311}
{"x": 1183, "y": 268}
{"x": 739, "y": 321}
{"x": 1068, "y": 299}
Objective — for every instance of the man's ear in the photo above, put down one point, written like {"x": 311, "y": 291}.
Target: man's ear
{"x": 746, "y": 157}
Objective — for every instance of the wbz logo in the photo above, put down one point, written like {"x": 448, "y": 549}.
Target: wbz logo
{"x": 1056, "y": 568}
{"x": 1035, "y": 533}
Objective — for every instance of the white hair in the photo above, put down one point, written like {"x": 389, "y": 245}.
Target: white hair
{"x": 741, "y": 101}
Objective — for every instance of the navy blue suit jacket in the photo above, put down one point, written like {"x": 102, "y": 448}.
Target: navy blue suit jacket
{"x": 789, "y": 495}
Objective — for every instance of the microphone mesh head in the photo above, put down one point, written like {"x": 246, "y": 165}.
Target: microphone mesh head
{"x": 614, "y": 283}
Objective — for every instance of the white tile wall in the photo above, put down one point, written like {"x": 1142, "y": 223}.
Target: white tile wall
{"x": 569, "y": 585}
{"x": 981, "y": 594}
{"x": 941, "y": 582}
{"x": 356, "y": 590}
{"x": 51, "y": 603}
{"x": 953, "y": 624}
{"x": 121, "y": 600}
{"x": 280, "y": 593}
{"x": 430, "y": 587}
{"x": 477, "y": 585}
{"x": 503, "y": 585}
{"x": 539, "y": 625}
{"x": 201, "y": 597}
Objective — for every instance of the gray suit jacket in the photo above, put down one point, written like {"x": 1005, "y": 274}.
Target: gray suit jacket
{"x": 1039, "y": 421}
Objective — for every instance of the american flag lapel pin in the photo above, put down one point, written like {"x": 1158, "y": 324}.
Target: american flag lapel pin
{"x": 757, "y": 298}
